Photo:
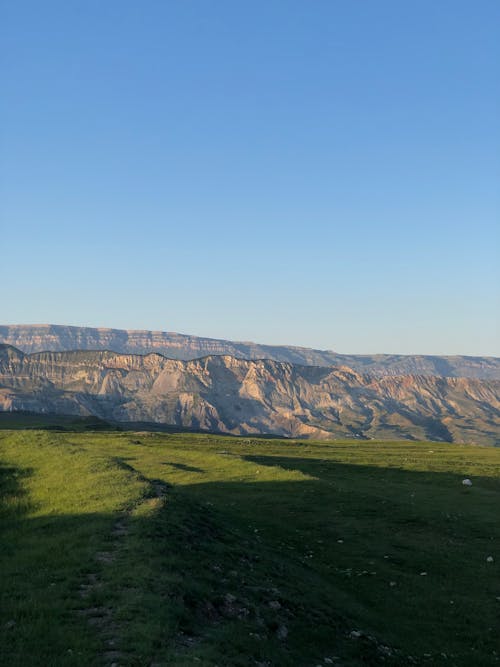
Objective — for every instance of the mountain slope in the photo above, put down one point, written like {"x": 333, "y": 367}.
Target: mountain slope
{"x": 221, "y": 393}
{"x": 39, "y": 338}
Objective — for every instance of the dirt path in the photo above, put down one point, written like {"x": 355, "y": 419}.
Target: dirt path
{"x": 102, "y": 618}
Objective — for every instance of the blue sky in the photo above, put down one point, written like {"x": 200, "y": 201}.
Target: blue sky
{"x": 317, "y": 173}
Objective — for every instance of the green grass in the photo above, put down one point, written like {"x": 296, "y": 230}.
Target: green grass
{"x": 53, "y": 422}
{"x": 225, "y": 545}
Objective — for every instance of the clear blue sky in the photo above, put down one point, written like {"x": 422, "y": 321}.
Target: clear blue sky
{"x": 321, "y": 173}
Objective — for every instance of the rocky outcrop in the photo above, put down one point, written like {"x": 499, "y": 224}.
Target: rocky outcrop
{"x": 223, "y": 393}
{"x": 49, "y": 337}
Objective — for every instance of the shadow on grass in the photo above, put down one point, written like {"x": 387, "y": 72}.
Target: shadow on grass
{"x": 14, "y": 501}
{"x": 354, "y": 546}
{"x": 183, "y": 466}
{"x": 276, "y": 572}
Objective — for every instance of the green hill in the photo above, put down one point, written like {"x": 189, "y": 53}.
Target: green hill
{"x": 139, "y": 548}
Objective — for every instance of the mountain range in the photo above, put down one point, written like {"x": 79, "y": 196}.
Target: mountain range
{"x": 49, "y": 337}
{"x": 250, "y": 396}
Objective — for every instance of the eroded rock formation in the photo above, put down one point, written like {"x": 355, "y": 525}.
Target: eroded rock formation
{"x": 223, "y": 393}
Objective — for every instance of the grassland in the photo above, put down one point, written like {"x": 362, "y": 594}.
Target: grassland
{"x": 186, "y": 549}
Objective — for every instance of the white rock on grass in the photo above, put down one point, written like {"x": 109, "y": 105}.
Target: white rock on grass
{"x": 489, "y": 559}
{"x": 466, "y": 482}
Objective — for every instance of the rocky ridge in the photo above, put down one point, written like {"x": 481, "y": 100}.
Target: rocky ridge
{"x": 238, "y": 396}
{"x": 50, "y": 337}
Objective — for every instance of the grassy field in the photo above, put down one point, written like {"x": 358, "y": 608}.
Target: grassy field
{"x": 150, "y": 549}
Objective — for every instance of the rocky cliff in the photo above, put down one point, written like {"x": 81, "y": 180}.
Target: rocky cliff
{"x": 222, "y": 393}
{"x": 38, "y": 338}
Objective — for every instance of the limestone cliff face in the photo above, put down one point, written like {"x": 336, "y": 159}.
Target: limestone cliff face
{"x": 38, "y": 338}
{"x": 222, "y": 393}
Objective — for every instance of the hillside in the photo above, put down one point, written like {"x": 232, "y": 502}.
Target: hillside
{"x": 224, "y": 394}
{"x": 150, "y": 549}
{"x": 49, "y": 337}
